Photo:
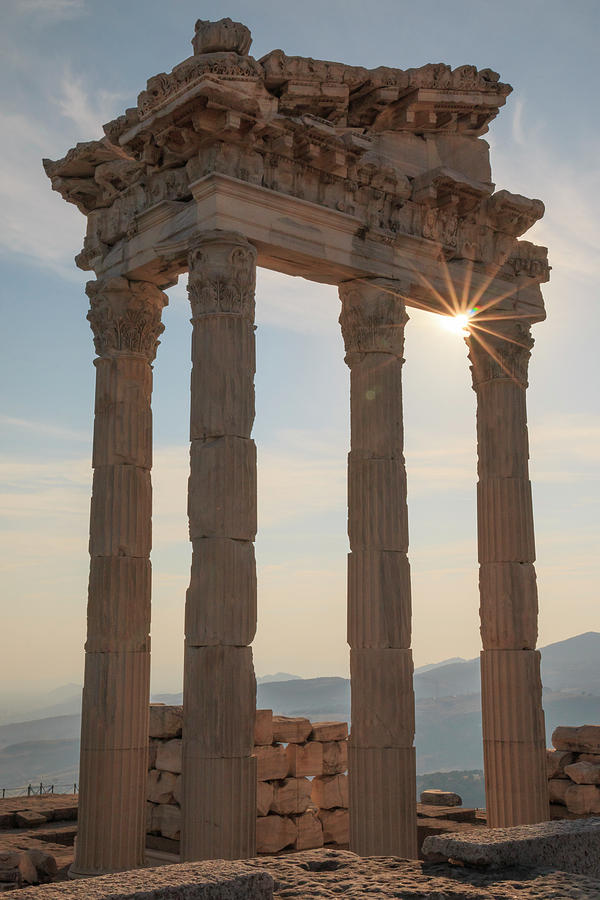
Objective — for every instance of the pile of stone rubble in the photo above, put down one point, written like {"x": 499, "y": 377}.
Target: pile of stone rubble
{"x": 574, "y": 771}
{"x": 302, "y": 785}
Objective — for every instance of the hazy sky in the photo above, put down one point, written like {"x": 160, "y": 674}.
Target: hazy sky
{"x": 71, "y": 65}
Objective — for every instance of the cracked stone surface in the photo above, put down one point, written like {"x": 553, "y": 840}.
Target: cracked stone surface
{"x": 331, "y": 873}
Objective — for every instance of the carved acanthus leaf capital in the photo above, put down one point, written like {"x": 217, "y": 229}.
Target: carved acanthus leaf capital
{"x": 372, "y": 319}
{"x": 502, "y": 350}
{"x": 125, "y": 317}
{"x": 222, "y": 276}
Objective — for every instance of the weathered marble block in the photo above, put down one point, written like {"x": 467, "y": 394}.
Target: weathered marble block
{"x": 161, "y": 786}
{"x": 107, "y": 676}
{"x": 509, "y": 606}
{"x": 222, "y": 489}
{"x": 379, "y": 599}
{"x": 292, "y": 795}
{"x": 121, "y": 512}
{"x": 219, "y": 701}
{"x": 224, "y": 792}
{"x": 329, "y": 731}
{"x": 377, "y": 511}
{"x": 166, "y": 820}
{"x": 264, "y": 797}
{"x": 272, "y": 762}
{"x": 114, "y": 622}
{"x": 221, "y": 599}
{"x": 274, "y": 833}
{"x": 291, "y": 729}
{"x": 263, "y": 727}
{"x": 517, "y": 714}
{"x": 376, "y": 406}
{"x": 336, "y": 825}
{"x": 335, "y": 757}
{"x": 305, "y": 759}
{"x": 165, "y": 721}
{"x": 580, "y": 739}
{"x": 330, "y": 791}
{"x": 169, "y": 756}
{"x": 505, "y": 520}
{"x": 383, "y": 709}
{"x": 383, "y": 790}
{"x": 309, "y": 831}
{"x": 583, "y": 772}
{"x": 222, "y": 386}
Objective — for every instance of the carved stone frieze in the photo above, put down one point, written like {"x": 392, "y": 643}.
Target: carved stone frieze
{"x": 397, "y": 150}
{"x": 125, "y": 317}
{"x": 372, "y": 319}
{"x": 501, "y": 350}
{"x": 222, "y": 276}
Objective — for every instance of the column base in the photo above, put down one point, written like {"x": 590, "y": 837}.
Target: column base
{"x": 383, "y": 801}
{"x": 219, "y": 808}
{"x": 516, "y": 783}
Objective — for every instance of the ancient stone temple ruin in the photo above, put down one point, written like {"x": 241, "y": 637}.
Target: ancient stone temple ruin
{"x": 375, "y": 180}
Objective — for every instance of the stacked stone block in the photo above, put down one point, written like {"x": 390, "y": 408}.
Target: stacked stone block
{"x": 574, "y": 772}
{"x": 125, "y": 318}
{"x": 382, "y": 756}
{"x": 301, "y": 787}
{"x": 511, "y": 687}
{"x": 220, "y": 615}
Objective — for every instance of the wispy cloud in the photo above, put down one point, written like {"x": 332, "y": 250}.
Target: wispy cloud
{"x": 53, "y": 10}
{"x": 568, "y": 183}
{"x": 86, "y": 109}
{"x": 36, "y": 427}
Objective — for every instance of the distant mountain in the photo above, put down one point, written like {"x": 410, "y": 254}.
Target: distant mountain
{"x": 49, "y": 729}
{"x": 445, "y": 662}
{"x": 448, "y": 711}
{"x": 278, "y": 676}
{"x": 569, "y": 665}
{"x": 61, "y": 701}
{"x": 34, "y": 761}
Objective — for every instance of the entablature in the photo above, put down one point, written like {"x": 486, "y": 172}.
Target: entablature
{"x": 388, "y": 162}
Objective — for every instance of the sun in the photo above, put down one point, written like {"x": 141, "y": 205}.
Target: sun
{"x": 458, "y": 324}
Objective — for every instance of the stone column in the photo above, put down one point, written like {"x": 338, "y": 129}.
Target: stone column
{"x": 219, "y": 771}
{"x": 382, "y": 757}
{"x": 511, "y": 690}
{"x": 125, "y": 318}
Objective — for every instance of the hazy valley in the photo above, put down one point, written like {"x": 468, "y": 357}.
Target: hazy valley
{"x": 45, "y": 747}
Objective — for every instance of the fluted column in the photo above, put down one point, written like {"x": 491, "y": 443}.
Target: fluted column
{"x": 125, "y": 318}
{"x": 511, "y": 689}
{"x": 382, "y": 757}
{"x": 219, "y": 771}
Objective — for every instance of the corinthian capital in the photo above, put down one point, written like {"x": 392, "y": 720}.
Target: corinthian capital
{"x": 125, "y": 316}
{"x": 372, "y": 319}
{"x": 222, "y": 275}
{"x": 501, "y": 351}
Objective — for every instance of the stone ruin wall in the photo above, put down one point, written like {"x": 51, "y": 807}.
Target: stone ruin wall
{"x": 302, "y": 781}
{"x": 574, "y": 772}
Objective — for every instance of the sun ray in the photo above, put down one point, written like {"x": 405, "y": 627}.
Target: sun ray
{"x": 494, "y": 356}
{"x": 496, "y": 334}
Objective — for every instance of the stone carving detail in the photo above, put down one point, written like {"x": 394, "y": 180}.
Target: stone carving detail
{"x": 503, "y": 354}
{"x": 212, "y": 37}
{"x": 125, "y": 316}
{"x": 223, "y": 282}
{"x": 372, "y": 319}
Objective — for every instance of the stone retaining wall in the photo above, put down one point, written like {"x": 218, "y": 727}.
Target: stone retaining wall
{"x": 302, "y": 790}
{"x": 574, "y": 772}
